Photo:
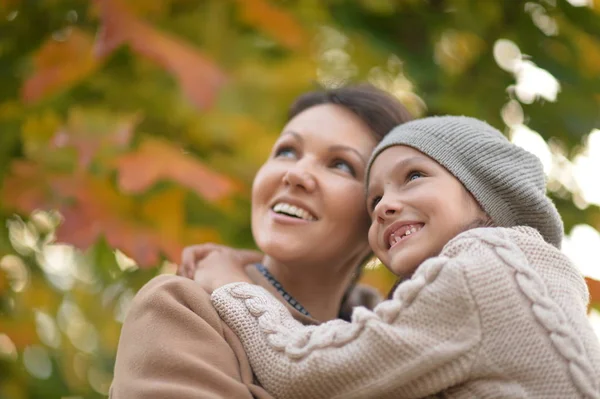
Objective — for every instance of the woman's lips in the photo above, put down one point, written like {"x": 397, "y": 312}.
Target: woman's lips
{"x": 286, "y": 219}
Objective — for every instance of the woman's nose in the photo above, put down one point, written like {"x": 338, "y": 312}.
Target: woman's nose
{"x": 300, "y": 178}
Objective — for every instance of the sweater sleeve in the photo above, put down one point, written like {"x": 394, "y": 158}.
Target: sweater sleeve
{"x": 173, "y": 345}
{"x": 423, "y": 340}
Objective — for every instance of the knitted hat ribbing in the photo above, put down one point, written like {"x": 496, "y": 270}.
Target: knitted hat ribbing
{"x": 507, "y": 181}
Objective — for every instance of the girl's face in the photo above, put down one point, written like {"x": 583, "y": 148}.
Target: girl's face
{"x": 416, "y": 207}
{"x": 308, "y": 198}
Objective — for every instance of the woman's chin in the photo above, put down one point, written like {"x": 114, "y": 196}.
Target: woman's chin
{"x": 283, "y": 250}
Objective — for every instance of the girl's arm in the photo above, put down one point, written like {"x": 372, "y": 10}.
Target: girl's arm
{"x": 420, "y": 342}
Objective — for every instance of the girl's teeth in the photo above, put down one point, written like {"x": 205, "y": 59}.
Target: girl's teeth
{"x": 394, "y": 238}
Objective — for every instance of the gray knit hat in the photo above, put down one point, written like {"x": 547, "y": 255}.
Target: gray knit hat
{"x": 506, "y": 180}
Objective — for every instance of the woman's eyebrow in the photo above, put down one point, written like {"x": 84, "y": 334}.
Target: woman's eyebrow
{"x": 294, "y": 134}
{"x": 346, "y": 148}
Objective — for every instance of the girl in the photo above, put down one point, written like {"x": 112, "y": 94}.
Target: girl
{"x": 488, "y": 312}
{"x": 173, "y": 343}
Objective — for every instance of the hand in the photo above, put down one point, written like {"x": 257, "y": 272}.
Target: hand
{"x": 224, "y": 266}
{"x": 192, "y": 255}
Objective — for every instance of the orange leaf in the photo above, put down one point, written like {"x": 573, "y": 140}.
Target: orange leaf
{"x": 158, "y": 160}
{"x": 96, "y": 210}
{"x": 594, "y": 287}
{"x": 92, "y": 209}
{"x": 59, "y": 64}
{"x": 276, "y": 22}
{"x": 199, "y": 77}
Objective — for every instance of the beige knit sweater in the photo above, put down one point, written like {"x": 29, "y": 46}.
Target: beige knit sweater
{"x": 499, "y": 314}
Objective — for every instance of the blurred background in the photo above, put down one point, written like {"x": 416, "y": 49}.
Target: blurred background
{"x": 130, "y": 129}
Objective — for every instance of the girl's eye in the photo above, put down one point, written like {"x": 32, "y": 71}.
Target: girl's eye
{"x": 344, "y": 166}
{"x": 285, "y": 152}
{"x": 414, "y": 175}
{"x": 374, "y": 202}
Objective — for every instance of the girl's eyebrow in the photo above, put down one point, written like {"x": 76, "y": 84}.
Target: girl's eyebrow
{"x": 402, "y": 165}
{"x": 407, "y": 163}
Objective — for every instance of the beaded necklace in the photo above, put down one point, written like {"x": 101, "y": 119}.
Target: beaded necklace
{"x": 290, "y": 299}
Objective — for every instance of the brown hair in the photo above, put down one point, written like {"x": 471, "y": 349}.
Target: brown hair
{"x": 380, "y": 111}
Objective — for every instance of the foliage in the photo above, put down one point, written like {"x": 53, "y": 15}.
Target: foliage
{"x": 129, "y": 129}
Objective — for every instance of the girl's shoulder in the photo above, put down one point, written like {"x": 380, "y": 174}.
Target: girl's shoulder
{"x": 483, "y": 239}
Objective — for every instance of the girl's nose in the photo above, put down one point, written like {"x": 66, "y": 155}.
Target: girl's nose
{"x": 386, "y": 209}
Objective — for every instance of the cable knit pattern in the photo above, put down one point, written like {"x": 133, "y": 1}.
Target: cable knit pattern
{"x": 546, "y": 311}
{"x": 433, "y": 336}
{"x": 298, "y": 346}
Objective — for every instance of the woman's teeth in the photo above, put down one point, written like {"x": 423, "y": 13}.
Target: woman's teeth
{"x": 292, "y": 210}
{"x": 396, "y": 236}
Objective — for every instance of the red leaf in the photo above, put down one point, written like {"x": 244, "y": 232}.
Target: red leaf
{"x": 59, "y": 64}
{"x": 199, "y": 77}
{"x": 157, "y": 160}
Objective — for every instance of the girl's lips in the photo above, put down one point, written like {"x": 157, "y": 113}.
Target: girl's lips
{"x": 399, "y": 228}
{"x": 285, "y": 219}
{"x": 404, "y": 238}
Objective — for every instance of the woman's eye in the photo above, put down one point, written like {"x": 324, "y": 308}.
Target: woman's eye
{"x": 344, "y": 166}
{"x": 285, "y": 152}
{"x": 414, "y": 175}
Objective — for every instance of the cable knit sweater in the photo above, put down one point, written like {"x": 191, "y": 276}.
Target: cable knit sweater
{"x": 499, "y": 314}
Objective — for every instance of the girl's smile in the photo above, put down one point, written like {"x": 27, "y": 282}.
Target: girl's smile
{"x": 416, "y": 207}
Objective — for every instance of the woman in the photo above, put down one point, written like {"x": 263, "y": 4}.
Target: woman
{"x": 309, "y": 220}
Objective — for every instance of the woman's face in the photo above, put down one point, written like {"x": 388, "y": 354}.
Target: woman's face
{"x": 308, "y": 198}
{"x": 416, "y": 207}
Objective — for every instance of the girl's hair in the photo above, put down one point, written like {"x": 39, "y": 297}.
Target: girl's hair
{"x": 377, "y": 109}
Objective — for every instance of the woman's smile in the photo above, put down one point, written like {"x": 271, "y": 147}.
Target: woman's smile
{"x": 294, "y": 210}
{"x": 310, "y": 192}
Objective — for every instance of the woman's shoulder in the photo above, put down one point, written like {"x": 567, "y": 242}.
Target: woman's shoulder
{"x": 165, "y": 290}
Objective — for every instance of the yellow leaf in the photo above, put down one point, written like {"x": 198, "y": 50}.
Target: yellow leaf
{"x": 589, "y": 50}
{"x": 455, "y": 51}
{"x": 166, "y": 212}
{"x": 37, "y": 131}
